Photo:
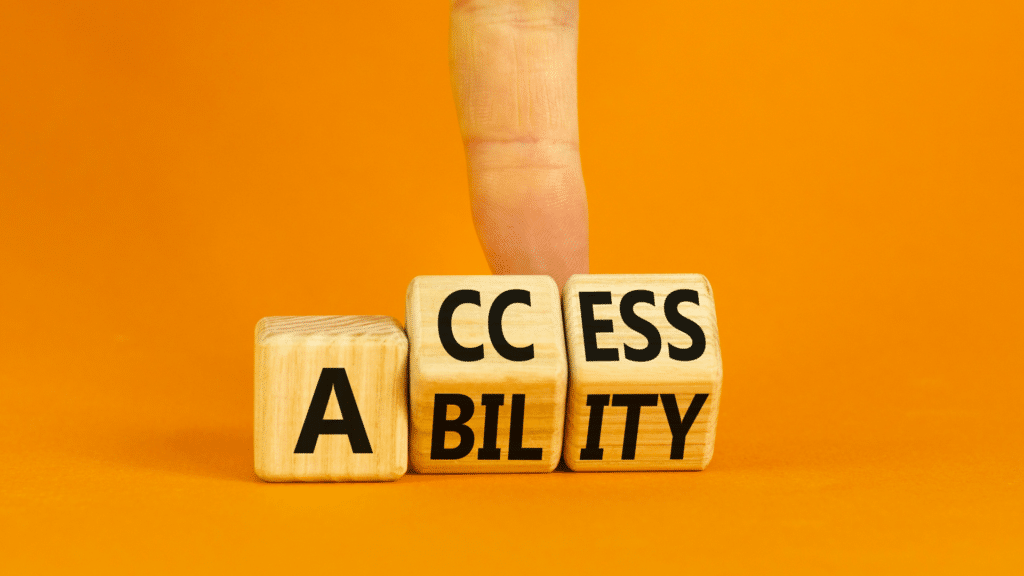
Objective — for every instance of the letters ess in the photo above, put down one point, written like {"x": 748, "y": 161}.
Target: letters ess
{"x": 494, "y": 374}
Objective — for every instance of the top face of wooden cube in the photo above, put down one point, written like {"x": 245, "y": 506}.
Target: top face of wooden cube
{"x": 324, "y": 329}
{"x": 494, "y": 337}
{"x": 609, "y": 341}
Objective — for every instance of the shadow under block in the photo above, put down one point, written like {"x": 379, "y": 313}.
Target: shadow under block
{"x": 645, "y": 372}
{"x": 487, "y": 373}
{"x": 331, "y": 399}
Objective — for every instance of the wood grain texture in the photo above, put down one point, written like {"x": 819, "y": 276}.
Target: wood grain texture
{"x": 660, "y": 375}
{"x": 291, "y": 353}
{"x": 433, "y": 371}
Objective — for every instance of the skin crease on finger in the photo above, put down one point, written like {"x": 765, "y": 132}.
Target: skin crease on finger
{"x": 513, "y": 68}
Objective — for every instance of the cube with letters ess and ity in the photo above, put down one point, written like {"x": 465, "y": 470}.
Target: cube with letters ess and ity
{"x": 645, "y": 372}
{"x": 331, "y": 401}
{"x": 487, "y": 373}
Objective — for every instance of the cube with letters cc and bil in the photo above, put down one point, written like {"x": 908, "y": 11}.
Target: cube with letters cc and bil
{"x": 331, "y": 400}
{"x": 487, "y": 373}
{"x": 645, "y": 372}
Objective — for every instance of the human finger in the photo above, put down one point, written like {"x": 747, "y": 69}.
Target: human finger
{"x": 513, "y": 70}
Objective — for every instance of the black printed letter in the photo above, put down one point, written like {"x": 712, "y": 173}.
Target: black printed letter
{"x": 645, "y": 328}
{"x": 680, "y": 428}
{"x": 507, "y": 350}
{"x": 352, "y": 424}
{"x": 591, "y": 327}
{"x": 633, "y": 404}
{"x": 490, "y": 451}
{"x": 515, "y": 432}
{"x": 593, "y": 450}
{"x": 684, "y": 324}
{"x": 444, "y": 326}
{"x": 442, "y": 425}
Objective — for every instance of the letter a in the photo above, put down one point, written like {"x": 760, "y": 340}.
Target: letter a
{"x": 333, "y": 379}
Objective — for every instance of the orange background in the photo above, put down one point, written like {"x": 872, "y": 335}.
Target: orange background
{"x": 849, "y": 177}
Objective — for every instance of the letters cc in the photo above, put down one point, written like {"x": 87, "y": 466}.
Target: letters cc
{"x": 501, "y": 345}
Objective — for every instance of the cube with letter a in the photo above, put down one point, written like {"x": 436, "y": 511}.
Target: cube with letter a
{"x": 487, "y": 373}
{"x": 331, "y": 400}
{"x": 645, "y": 372}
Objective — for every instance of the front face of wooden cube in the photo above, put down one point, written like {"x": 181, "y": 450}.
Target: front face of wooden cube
{"x": 487, "y": 374}
{"x": 331, "y": 400}
{"x": 645, "y": 372}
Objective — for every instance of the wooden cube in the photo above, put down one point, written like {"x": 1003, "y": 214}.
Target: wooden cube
{"x": 331, "y": 400}
{"x": 487, "y": 373}
{"x": 645, "y": 372}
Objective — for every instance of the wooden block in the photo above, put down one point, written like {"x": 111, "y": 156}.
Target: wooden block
{"x": 331, "y": 400}
{"x": 645, "y": 372}
{"x": 487, "y": 373}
